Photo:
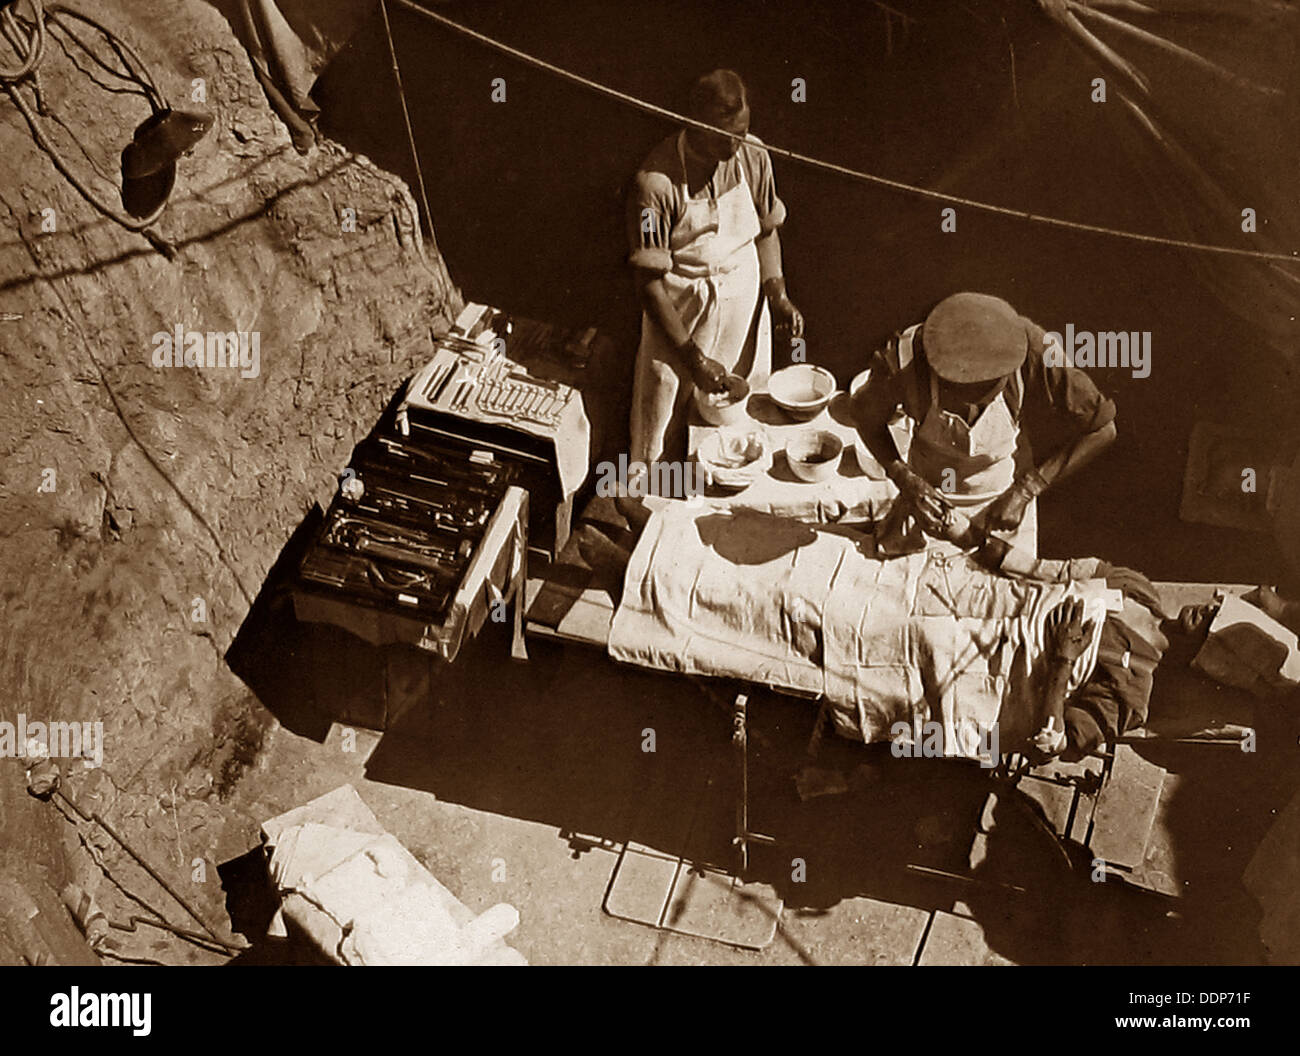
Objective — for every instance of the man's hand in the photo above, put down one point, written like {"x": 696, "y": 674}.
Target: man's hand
{"x": 708, "y": 374}
{"x": 958, "y": 529}
{"x": 1047, "y": 743}
{"x": 932, "y": 511}
{"x": 1009, "y": 508}
{"x": 1067, "y": 634}
{"x": 786, "y": 315}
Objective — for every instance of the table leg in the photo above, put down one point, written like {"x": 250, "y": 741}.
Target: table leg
{"x": 518, "y": 647}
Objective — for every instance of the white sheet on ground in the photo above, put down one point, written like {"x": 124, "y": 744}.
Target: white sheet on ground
{"x": 926, "y": 638}
{"x": 363, "y": 899}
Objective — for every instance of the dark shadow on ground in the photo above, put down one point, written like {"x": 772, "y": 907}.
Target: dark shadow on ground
{"x": 251, "y": 903}
{"x": 287, "y": 664}
{"x": 272, "y": 653}
{"x": 1224, "y": 802}
{"x": 561, "y": 741}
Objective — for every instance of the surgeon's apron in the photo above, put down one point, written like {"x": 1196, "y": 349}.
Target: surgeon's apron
{"x": 714, "y": 285}
{"x": 973, "y": 464}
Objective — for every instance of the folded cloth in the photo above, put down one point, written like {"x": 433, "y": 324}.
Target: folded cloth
{"x": 1250, "y": 650}
{"x": 896, "y": 646}
{"x": 363, "y": 899}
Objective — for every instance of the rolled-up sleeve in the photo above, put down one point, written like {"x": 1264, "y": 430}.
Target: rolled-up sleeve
{"x": 762, "y": 182}
{"x": 650, "y": 212}
{"x": 1067, "y": 392}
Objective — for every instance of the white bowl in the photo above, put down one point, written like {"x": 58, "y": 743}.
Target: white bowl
{"x": 802, "y": 390}
{"x": 734, "y": 458}
{"x": 724, "y": 408}
{"x": 813, "y": 457}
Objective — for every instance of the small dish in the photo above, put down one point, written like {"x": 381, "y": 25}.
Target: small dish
{"x": 802, "y": 390}
{"x": 813, "y": 457}
{"x": 734, "y": 458}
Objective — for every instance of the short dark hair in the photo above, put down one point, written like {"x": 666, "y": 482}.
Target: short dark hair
{"x": 720, "y": 93}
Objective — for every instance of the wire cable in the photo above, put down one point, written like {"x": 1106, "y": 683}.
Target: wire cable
{"x": 406, "y": 117}
{"x": 12, "y": 79}
{"x": 97, "y": 818}
{"x": 35, "y": 52}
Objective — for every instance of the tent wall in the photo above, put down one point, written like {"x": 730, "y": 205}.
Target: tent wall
{"x": 527, "y": 198}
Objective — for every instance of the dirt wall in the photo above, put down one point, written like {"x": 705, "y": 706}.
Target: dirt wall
{"x": 143, "y": 505}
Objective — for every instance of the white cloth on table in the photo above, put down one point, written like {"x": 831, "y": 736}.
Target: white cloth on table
{"x": 850, "y": 495}
{"x": 925, "y": 638}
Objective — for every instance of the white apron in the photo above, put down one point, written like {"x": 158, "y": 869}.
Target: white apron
{"x": 714, "y": 285}
{"x": 982, "y": 459}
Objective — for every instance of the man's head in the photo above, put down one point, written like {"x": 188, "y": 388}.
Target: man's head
{"x": 973, "y": 339}
{"x": 1194, "y": 620}
{"x": 718, "y": 99}
{"x": 1186, "y": 633}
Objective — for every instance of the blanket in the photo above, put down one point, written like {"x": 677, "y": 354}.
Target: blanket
{"x": 928, "y": 650}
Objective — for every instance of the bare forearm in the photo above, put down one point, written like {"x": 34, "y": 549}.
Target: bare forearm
{"x": 660, "y": 308}
{"x": 997, "y": 555}
{"x": 1075, "y": 456}
{"x": 872, "y": 419}
{"x": 770, "y": 267}
{"x": 1058, "y": 682}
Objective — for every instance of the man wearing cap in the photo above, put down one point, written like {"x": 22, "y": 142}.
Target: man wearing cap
{"x": 965, "y": 380}
{"x": 703, "y": 216}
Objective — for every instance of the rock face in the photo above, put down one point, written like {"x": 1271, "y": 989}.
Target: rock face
{"x": 143, "y": 505}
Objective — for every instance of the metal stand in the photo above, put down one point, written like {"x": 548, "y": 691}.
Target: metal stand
{"x": 740, "y": 743}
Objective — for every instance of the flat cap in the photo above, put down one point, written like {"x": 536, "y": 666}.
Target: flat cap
{"x": 972, "y": 337}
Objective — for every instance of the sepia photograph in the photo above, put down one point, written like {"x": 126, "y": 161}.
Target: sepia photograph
{"x": 651, "y": 483}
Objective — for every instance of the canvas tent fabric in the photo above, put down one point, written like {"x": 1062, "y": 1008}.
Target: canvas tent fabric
{"x": 1210, "y": 89}
{"x": 1207, "y": 89}
{"x": 289, "y": 43}
{"x": 986, "y": 99}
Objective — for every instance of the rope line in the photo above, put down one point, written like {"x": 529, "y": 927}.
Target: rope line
{"x": 832, "y": 167}
{"x": 406, "y": 117}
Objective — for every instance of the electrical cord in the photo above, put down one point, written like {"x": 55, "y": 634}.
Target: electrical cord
{"x": 36, "y": 50}
{"x": 97, "y": 818}
{"x": 31, "y": 39}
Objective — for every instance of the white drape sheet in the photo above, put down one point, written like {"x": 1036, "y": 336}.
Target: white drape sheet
{"x": 928, "y": 638}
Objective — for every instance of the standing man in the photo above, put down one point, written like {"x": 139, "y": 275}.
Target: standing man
{"x": 965, "y": 380}
{"x": 703, "y": 216}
